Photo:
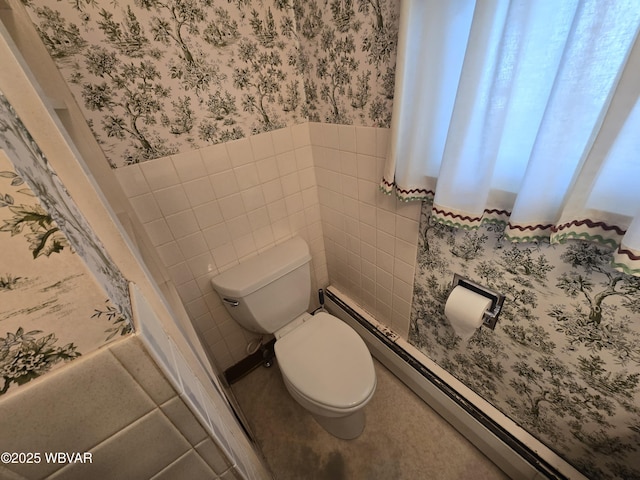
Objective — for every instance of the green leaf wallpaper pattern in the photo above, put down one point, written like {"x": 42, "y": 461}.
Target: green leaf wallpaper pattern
{"x": 48, "y": 296}
{"x": 154, "y": 78}
{"x": 24, "y": 357}
{"x": 54, "y": 297}
{"x": 564, "y": 359}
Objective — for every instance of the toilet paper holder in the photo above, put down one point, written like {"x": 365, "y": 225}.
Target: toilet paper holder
{"x": 490, "y": 317}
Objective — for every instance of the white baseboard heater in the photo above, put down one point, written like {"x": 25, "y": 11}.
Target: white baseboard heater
{"x": 511, "y": 448}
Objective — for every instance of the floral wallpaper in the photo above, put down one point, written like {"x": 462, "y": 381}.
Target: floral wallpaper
{"x": 160, "y": 77}
{"x": 564, "y": 359}
{"x": 51, "y": 308}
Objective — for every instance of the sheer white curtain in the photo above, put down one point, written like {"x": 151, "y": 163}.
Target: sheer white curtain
{"x": 525, "y": 112}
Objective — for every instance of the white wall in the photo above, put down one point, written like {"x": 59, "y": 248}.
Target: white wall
{"x": 370, "y": 238}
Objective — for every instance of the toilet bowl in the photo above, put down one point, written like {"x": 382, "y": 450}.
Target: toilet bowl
{"x": 325, "y": 365}
{"x": 327, "y": 368}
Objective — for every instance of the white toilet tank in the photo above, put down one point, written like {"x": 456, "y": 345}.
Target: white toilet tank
{"x": 267, "y": 291}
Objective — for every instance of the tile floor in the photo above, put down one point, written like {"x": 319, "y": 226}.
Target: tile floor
{"x": 404, "y": 438}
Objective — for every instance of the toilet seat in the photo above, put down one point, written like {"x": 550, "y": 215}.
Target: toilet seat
{"x": 327, "y": 362}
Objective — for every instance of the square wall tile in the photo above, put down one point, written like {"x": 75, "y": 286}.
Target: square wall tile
{"x": 246, "y": 176}
{"x": 286, "y": 163}
{"x": 245, "y": 246}
{"x": 217, "y": 235}
{"x": 240, "y": 152}
{"x": 160, "y": 173}
{"x": 264, "y": 238}
{"x": 366, "y": 140}
{"x": 307, "y": 178}
{"x": 330, "y": 135}
{"x": 290, "y": 183}
{"x": 267, "y": 169}
{"x": 277, "y": 210}
{"x": 403, "y": 290}
{"x": 197, "y": 309}
{"x": 232, "y": 206}
{"x": 403, "y": 271}
{"x": 300, "y": 134}
{"x": 199, "y": 191}
{"x": 349, "y": 186}
{"x": 368, "y": 216}
{"x": 294, "y": 203}
{"x": 43, "y": 417}
{"x": 189, "y": 165}
{"x": 406, "y": 251}
{"x": 386, "y": 202}
{"x": 188, "y": 291}
{"x": 172, "y": 200}
{"x": 305, "y": 157}
{"x": 407, "y": 229}
{"x": 262, "y": 145}
{"x": 131, "y": 353}
{"x": 347, "y": 138}
{"x": 214, "y": 457}
{"x": 386, "y": 221}
{"x": 253, "y": 198}
{"x": 128, "y": 454}
{"x": 224, "y": 256}
{"x": 410, "y": 210}
{"x": 383, "y": 138}
{"x": 239, "y": 227}
{"x": 282, "y": 140}
{"x": 208, "y": 214}
{"x": 258, "y": 218}
{"x": 132, "y": 180}
{"x": 316, "y": 133}
{"x": 202, "y": 265}
{"x": 146, "y": 208}
{"x": 348, "y": 163}
{"x": 367, "y": 192}
{"x": 224, "y": 184}
{"x": 158, "y": 232}
{"x": 170, "y": 254}
{"x": 183, "y": 224}
{"x": 192, "y": 245}
{"x": 184, "y": 420}
{"x": 190, "y": 466}
{"x": 180, "y": 274}
{"x": 152, "y": 335}
{"x": 281, "y": 229}
{"x": 367, "y": 168}
{"x": 215, "y": 158}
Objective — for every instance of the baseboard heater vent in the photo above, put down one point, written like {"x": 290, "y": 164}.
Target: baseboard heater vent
{"x": 507, "y": 451}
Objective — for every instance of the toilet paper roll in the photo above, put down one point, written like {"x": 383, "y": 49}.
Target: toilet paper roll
{"x": 464, "y": 310}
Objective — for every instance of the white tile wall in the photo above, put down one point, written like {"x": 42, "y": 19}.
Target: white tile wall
{"x": 205, "y": 210}
{"x": 370, "y": 238}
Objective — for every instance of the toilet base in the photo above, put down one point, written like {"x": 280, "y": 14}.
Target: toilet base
{"x": 346, "y": 428}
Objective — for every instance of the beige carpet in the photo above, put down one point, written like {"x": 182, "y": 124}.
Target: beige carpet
{"x": 403, "y": 439}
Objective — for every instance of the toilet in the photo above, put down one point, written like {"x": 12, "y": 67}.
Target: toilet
{"x": 325, "y": 365}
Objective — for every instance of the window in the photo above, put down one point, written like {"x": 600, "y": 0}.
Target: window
{"x": 524, "y": 112}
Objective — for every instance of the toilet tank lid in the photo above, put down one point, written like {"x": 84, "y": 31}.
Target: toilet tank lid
{"x": 256, "y": 272}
